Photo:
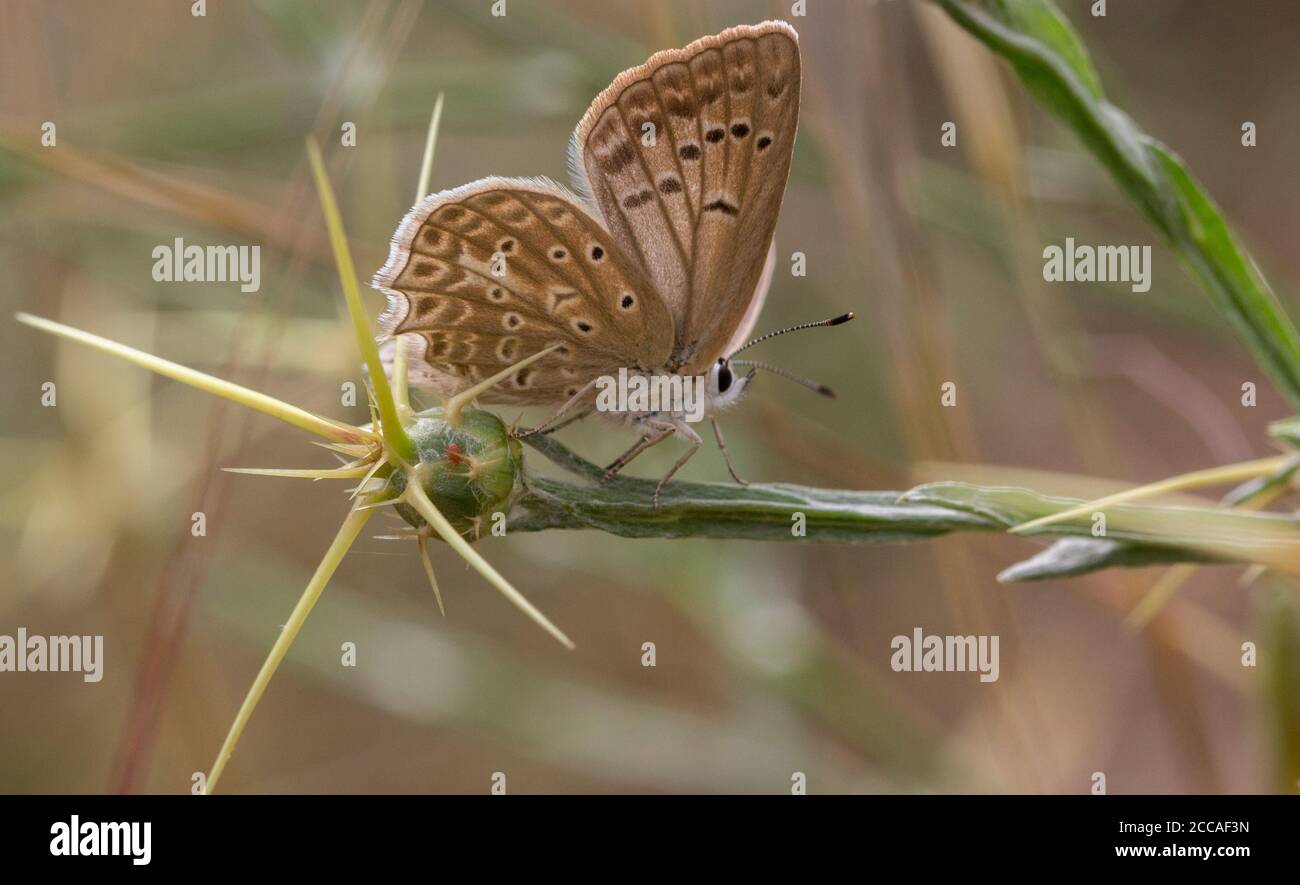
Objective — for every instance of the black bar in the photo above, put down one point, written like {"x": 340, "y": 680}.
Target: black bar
{"x": 540, "y": 833}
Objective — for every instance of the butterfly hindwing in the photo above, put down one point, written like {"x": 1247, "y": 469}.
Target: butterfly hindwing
{"x": 489, "y": 273}
{"x": 697, "y": 203}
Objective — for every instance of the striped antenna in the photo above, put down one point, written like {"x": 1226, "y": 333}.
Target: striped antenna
{"x": 833, "y": 321}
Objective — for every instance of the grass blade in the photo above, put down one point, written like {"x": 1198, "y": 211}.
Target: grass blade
{"x": 1231, "y": 473}
{"x": 1053, "y": 64}
{"x": 1276, "y": 621}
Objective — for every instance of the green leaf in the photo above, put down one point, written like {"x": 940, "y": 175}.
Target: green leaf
{"x": 1053, "y": 64}
{"x": 1198, "y": 533}
{"x": 1078, "y": 556}
{"x": 1261, "y": 485}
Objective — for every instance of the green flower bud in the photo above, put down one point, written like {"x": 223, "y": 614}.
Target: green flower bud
{"x": 468, "y": 471}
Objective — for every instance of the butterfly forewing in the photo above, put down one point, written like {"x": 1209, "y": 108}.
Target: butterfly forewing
{"x": 696, "y": 202}
{"x": 499, "y": 269}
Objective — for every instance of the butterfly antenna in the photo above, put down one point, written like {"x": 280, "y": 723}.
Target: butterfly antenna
{"x": 833, "y": 321}
{"x": 784, "y": 373}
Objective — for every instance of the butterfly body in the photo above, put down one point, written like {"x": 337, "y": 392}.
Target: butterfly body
{"x": 656, "y": 264}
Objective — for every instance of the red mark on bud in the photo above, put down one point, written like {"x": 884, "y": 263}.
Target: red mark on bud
{"x": 454, "y": 454}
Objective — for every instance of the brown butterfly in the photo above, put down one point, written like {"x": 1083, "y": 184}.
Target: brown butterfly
{"x": 658, "y": 265}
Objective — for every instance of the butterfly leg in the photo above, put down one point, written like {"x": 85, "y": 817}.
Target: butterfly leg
{"x": 717, "y": 434}
{"x": 563, "y": 424}
{"x": 683, "y": 429}
{"x": 546, "y": 426}
{"x": 658, "y": 434}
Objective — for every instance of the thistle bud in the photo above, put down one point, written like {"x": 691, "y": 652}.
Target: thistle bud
{"x": 468, "y": 471}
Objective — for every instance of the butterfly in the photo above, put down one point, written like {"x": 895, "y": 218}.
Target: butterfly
{"x": 657, "y": 262}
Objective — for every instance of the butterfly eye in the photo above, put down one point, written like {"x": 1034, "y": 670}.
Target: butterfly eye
{"x": 724, "y": 377}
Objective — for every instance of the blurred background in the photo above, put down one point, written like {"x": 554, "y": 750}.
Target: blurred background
{"x": 771, "y": 658}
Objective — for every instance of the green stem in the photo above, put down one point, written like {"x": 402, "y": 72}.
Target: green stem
{"x": 624, "y": 506}
{"x": 781, "y": 512}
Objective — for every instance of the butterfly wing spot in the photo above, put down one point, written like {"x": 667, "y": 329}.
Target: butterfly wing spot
{"x": 512, "y": 321}
{"x": 670, "y": 185}
{"x": 553, "y": 209}
{"x": 522, "y": 376}
{"x": 506, "y": 246}
{"x": 620, "y": 154}
{"x": 678, "y": 105}
{"x": 558, "y": 254}
{"x": 715, "y": 135}
{"x": 689, "y": 151}
{"x": 644, "y": 111}
{"x": 454, "y": 311}
{"x": 638, "y": 199}
{"x": 706, "y": 69}
{"x": 439, "y": 241}
{"x": 583, "y": 326}
{"x": 597, "y": 253}
{"x": 775, "y": 88}
{"x": 722, "y": 206}
{"x": 497, "y": 294}
{"x": 739, "y": 130}
{"x": 474, "y": 229}
{"x": 627, "y": 302}
{"x": 423, "y": 306}
{"x": 764, "y": 142}
{"x": 559, "y": 298}
{"x": 506, "y": 350}
{"x": 422, "y": 269}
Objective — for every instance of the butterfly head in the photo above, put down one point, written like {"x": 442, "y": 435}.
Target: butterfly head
{"x": 724, "y": 385}
{"x": 723, "y": 379}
